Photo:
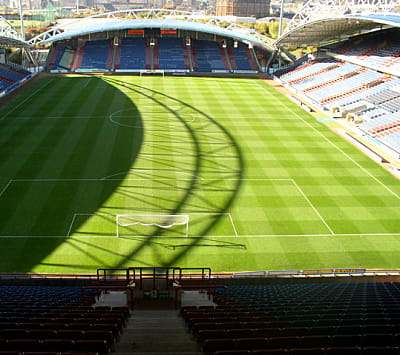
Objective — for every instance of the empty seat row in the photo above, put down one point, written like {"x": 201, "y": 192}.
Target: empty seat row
{"x": 15, "y": 352}
{"x": 233, "y": 333}
{"x": 315, "y": 351}
{"x": 57, "y": 345}
{"x": 70, "y": 334}
{"x": 372, "y": 340}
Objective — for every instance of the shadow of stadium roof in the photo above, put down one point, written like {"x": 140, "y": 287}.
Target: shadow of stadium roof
{"x": 154, "y": 23}
{"x": 328, "y": 30}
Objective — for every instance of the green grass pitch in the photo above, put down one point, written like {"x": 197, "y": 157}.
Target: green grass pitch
{"x": 265, "y": 185}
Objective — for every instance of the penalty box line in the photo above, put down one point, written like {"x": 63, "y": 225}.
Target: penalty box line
{"x": 187, "y": 179}
{"x": 190, "y": 214}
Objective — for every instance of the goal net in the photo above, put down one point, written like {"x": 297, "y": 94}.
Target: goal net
{"x": 152, "y": 72}
{"x": 173, "y": 225}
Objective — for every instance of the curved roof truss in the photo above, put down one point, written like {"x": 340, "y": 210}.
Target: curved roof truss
{"x": 9, "y": 35}
{"x": 152, "y": 18}
{"x": 323, "y": 31}
{"x": 313, "y": 10}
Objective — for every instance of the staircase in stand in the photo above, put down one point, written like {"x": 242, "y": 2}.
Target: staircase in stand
{"x": 156, "y": 332}
{"x": 156, "y": 56}
{"x": 193, "y": 57}
{"x": 224, "y": 57}
{"x": 111, "y": 56}
{"x": 117, "y": 59}
{"x": 149, "y": 56}
{"x": 231, "y": 58}
{"x": 187, "y": 56}
{"x": 77, "y": 57}
{"x": 252, "y": 61}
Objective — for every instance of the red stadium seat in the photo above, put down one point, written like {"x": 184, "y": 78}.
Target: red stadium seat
{"x": 70, "y": 334}
{"x": 212, "y": 345}
{"x": 42, "y": 334}
{"x": 100, "y": 346}
{"x": 306, "y": 351}
{"x": 59, "y": 345}
{"x": 99, "y": 335}
{"x": 211, "y": 334}
{"x": 354, "y": 350}
{"x": 252, "y": 343}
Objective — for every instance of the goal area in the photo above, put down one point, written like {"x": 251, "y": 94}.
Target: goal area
{"x": 141, "y": 225}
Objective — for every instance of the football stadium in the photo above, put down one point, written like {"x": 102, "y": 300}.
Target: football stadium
{"x": 176, "y": 186}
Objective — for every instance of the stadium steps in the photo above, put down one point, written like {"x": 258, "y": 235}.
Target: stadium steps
{"x": 193, "y": 57}
{"x": 187, "y": 56}
{"x": 251, "y": 57}
{"x": 231, "y": 58}
{"x": 156, "y": 332}
{"x": 111, "y": 56}
{"x": 156, "y": 56}
{"x": 149, "y": 56}
{"x": 53, "y": 57}
{"x": 224, "y": 57}
{"x": 77, "y": 57}
{"x": 117, "y": 60}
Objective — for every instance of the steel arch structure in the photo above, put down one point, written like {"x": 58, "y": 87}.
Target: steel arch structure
{"x": 143, "y": 14}
{"x": 314, "y": 10}
{"x": 9, "y": 35}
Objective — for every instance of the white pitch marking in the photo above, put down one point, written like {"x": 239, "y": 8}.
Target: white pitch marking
{"x": 86, "y": 214}
{"x": 339, "y": 149}
{"x": 87, "y": 83}
{"x": 22, "y": 102}
{"x": 111, "y": 118}
{"x": 145, "y": 179}
{"x": 57, "y": 117}
{"x": 219, "y": 236}
{"x": 71, "y": 224}
{"x": 233, "y": 224}
{"x": 173, "y": 172}
{"x": 6, "y": 187}
{"x": 203, "y": 179}
{"x": 313, "y": 207}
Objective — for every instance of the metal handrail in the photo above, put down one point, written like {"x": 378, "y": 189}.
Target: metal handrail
{"x": 179, "y": 288}
{"x": 205, "y": 273}
{"x": 130, "y": 289}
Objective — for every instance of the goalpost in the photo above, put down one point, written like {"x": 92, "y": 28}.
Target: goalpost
{"x": 146, "y": 224}
{"x": 152, "y": 72}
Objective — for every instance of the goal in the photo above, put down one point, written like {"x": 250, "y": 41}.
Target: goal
{"x": 129, "y": 225}
{"x": 152, "y": 72}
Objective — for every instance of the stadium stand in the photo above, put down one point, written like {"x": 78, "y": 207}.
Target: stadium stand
{"x": 139, "y": 53}
{"x": 208, "y": 56}
{"x": 56, "y": 319}
{"x": 171, "y": 54}
{"x": 95, "y": 55}
{"x": 381, "y": 51}
{"x": 356, "y": 87}
{"x": 10, "y": 75}
{"x": 132, "y": 53}
{"x": 323, "y": 318}
{"x": 242, "y": 58}
{"x": 56, "y": 56}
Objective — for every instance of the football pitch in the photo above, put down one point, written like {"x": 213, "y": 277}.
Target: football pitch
{"x": 262, "y": 183}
